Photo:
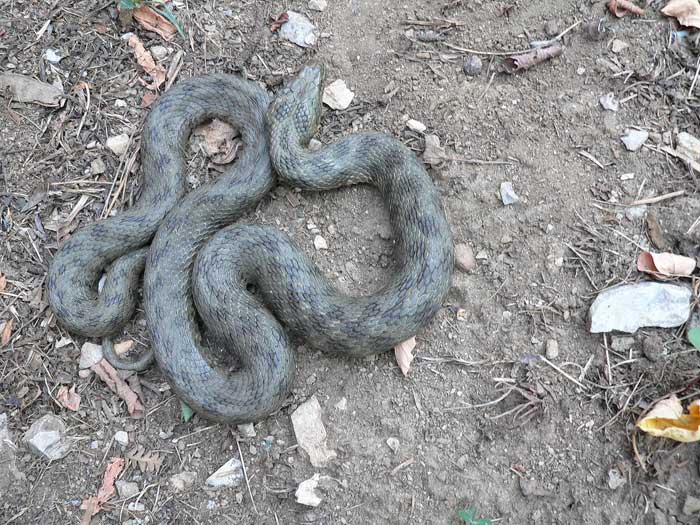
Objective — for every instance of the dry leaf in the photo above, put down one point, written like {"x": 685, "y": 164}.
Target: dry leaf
{"x": 219, "y": 143}
{"x": 527, "y": 60}
{"x": 152, "y": 21}
{"x": 148, "y": 99}
{"x": 94, "y": 504}
{"x": 110, "y": 376}
{"x": 687, "y": 12}
{"x": 146, "y": 61}
{"x": 123, "y": 347}
{"x": 278, "y": 22}
{"x": 26, "y": 89}
{"x": 404, "y": 355}
{"x": 621, "y": 7}
{"x": 668, "y": 420}
{"x": 145, "y": 460}
{"x": 6, "y": 332}
{"x": 69, "y": 398}
{"x": 665, "y": 265}
{"x": 3, "y": 282}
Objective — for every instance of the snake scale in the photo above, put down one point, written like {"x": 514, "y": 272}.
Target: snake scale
{"x": 200, "y": 267}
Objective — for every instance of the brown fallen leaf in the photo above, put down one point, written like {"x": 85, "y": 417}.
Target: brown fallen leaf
{"x": 665, "y": 266}
{"x": 26, "y": 89}
{"x": 3, "y": 282}
{"x": 621, "y": 7}
{"x": 94, "y": 504}
{"x": 145, "y": 60}
{"x": 668, "y": 420}
{"x": 70, "y": 399}
{"x": 109, "y": 375}
{"x": 6, "y": 332}
{"x": 278, "y": 22}
{"x": 152, "y": 21}
{"x": 148, "y": 99}
{"x": 687, "y": 12}
{"x": 146, "y": 460}
{"x": 516, "y": 63}
{"x": 404, "y": 355}
{"x": 123, "y": 347}
{"x": 218, "y": 140}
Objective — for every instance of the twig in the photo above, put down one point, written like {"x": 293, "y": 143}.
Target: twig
{"x": 245, "y": 475}
{"x": 654, "y": 200}
{"x": 695, "y": 79}
{"x": 555, "y": 367}
{"x": 482, "y": 405}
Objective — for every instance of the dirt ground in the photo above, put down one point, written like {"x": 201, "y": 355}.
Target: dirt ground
{"x": 558, "y": 448}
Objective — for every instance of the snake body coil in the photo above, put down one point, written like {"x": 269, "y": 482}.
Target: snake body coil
{"x": 196, "y": 280}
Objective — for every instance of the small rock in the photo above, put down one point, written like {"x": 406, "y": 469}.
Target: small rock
{"x": 653, "y": 347}
{"x": 306, "y": 492}
{"x": 315, "y": 145}
{"x": 247, "y": 430}
{"x": 136, "y": 506}
{"x": 159, "y": 52}
{"x": 472, "y": 66}
{"x": 627, "y": 176}
{"x": 433, "y": 154}
{"x": 633, "y": 139}
{"x": 318, "y": 5}
{"x": 311, "y": 433}
{"x": 551, "y": 349}
{"x": 118, "y": 144}
{"x": 183, "y": 480}
{"x": 531, "y": 488}
{"x": 551, "y": 28}
{"x": 229, "y": 475}
{"x": 464, "y": 257}
{"x": 691, "y": 505}
{"x": 609, "y": 102}
{"x": 622, "y": 344}
{"x": 393, "y": 444}
{"x": 299, "y": 30}
{"x": 415, "y": 125}
{"x": 342, "y": 404}
{"x": 320, "y": 243}
{"x": 636, "y": 212}
{"x": 688, "y": 146}
{"x": 336, "y": 95}
{"x": 508, "y": 195}
{"x": 618, "y": 46}
{"x": 122, "y": 438}
{"x": 51, "y": 55}
{"x": 127, "y": 489}
{"x": 120, "y": 103}
{"x": 46, "y": 438}
{"x": 628, "y": 307}
{"x": 97, "y": 167}
{"x": 9, "y": 474}
{"x": 90, "y": 355}
{"x": 615, "y": 479}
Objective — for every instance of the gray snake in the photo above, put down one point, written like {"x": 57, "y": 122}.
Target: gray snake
{"x": 199, "y": 267}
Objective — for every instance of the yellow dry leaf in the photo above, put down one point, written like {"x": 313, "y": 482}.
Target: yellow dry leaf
{"x": 145, "y": 60}
{"x": 668, "y": 420}
{"x": 665, "y": 265}
{"x": 404, "y": 355}
{"x": 687, "y": 12}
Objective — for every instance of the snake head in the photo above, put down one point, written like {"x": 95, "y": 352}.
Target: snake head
{"x": 299, "y": 104}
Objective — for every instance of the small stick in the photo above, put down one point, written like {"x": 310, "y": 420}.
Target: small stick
{"x": 654, "y": 200}
{"x": 695, "y": 79}
{"x": 402, "y": 465}
{"x": 482, "y": 405}
{"x": 245, "y": 475}
{"x": 573, "y": 380}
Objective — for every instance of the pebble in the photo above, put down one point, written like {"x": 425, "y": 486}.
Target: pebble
{"x": 691, "y": 505}
{"x": 508, "y": 195}
{"x": 318, "y": 5}
{"x": 159, "y": 52}
{"x": 618, "y": 46}
{"x": 182, "y": 481}
{"x": 609, "y": 102}
{"x": 46, "y": 438}
{"x": 90, "y": 355}
{"x": 118, "y": 144}
{"x": 633, "y": 139}
{"x": 393, "y": 444}
{"x": 230, "y": 474}
{"x": 551, "y": 349}
{"x": 311, "y": 433}
{"x": 615, "y": 479}
{"x": 551, "y": 28}
{"x": 342, "y": 404}
{"x": 127, "y": 489}
{"x": 653, "y": 347}
{"x": 464, "y": 257}
{"x": 687, "y": 145}
{"x": 320, "y": 243}
{"x": 315, "y": 145}
{"x": 531, "y": 488}
{"x": 628, "y": 307}
{"x": 433, "y": 154}
{"x": 9, "y": 474}
{"x": 247, "y": 430}
{"x": 136, "y": 506}
{"x": 97, "y": 167}
{"x": 337, "y": 95}
{"x": 52, "y": 56}
{"x": 636, "y": 212}
{"x": 298, "y": 29}
{"x": 120, "y": 103}
{"x": 122, "y": 438}
{"x": 306, "y": 492}
{"x": 472, "y": 66}
{"x": 415, "y": 125}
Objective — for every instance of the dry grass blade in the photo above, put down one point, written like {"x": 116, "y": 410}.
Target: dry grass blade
{"x": 147, "y": 461}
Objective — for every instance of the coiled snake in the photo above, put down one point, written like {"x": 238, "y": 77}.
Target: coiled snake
{"x": 197, "y": 275}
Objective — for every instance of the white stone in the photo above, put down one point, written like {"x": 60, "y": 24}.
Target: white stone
{"x": 118, "y": 144}
{"x": 320, "y": 243}
{"x": 508, "y": 195}
{"x": 342, "y": 404}
{"x": 127, "y": 489}
{"x": 393, "y": 444}
{"x": 46, "y": 438}
{"x": 415, "y": 125}
{"x": 247, "y": 430}
{"x": 337, "y": 95}
{"x": 183, "y": 480}
{"x": 159, "y": 52}
{"x": 306, "y": 492}
{"x": 8, "y": 467}
{"x": 298, "y": 29}
{"x": 229, "y": 475}
{"x": 551, "y": 349}
{"x": 311, "y": 433}
{"x": 122, "y": 438}
{"x": 633, "y": 139}
{"x": 97, "y": 167}
{"x": 90, "y": 355}
{"x": 318, "y": 5}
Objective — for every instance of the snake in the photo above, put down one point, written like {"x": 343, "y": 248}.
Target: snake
{"x": 214, "y": 287}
